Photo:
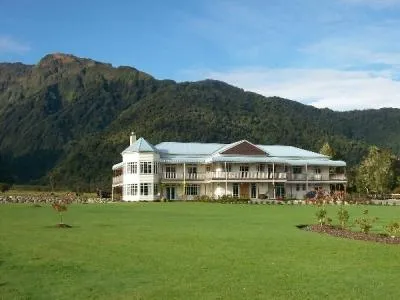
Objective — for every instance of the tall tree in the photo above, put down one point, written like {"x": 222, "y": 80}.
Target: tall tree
{"x": 376, "y": 172}
{"x": 327, "y": 150}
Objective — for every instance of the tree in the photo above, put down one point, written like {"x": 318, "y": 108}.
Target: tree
{"x": 327, "y": 150}
{"x": 376, "y": 172}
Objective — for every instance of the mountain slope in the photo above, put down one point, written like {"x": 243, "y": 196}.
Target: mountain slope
{"x": 72, "y": 116}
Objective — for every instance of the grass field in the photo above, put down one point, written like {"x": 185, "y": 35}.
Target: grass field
{"x": 189, "y": 251}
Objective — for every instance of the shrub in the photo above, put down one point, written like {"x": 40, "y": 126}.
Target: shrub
{"x": 4, "y": 187}
{"x": 343, "y": 216}
{"x": 321, "y": 215}
{"x": 365, "y": 222}
{"x": 393, "y": 228}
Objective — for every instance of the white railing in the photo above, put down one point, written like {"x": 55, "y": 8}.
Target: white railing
{"x": 224, "y": 176}
{"x": 117, "y": 179}
{"x": 316, "y": 177}
{"x": 188, "y": 176}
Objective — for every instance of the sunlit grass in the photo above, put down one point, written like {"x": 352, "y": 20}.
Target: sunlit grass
{"x": 189, "y": 251}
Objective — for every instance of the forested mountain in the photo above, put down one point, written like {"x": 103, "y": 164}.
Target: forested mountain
{"x": 71, "y": 117}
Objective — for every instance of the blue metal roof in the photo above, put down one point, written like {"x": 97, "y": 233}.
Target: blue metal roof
{"x": 188, "y": 148}
{"x": 140, "y": 145}
{"x": 289, "y": 151}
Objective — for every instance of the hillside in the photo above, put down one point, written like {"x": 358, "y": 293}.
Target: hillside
{"x": 72, "y": 117}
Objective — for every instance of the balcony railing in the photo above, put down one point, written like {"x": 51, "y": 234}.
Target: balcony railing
{"x": 316, "y": 177}
{"x": 224, "y": 175}
{"x": 117, "y": 179}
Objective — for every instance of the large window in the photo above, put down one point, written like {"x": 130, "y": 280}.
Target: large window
{"x": 244, "y": 171}
{"x": 192, "y": 169}
{"x": 228, "y": 167}
{"x": 170, "y": 171}
{"x": 297, "y": 170}
{"x": 145, "y": 167}
{"x": 131, "y": 168}
{"x": 253, "y": 190}
{"x": 131, "y": 189}
{"x": 236, "y": 190}
{"x": 317, "y": 171}
{"x": 156, "y": 166}
{"x": 155, "y": 189}
{"x": 192, "y": 190}
{"x": 145, "y": 189}
{"x": 261, "y": 168}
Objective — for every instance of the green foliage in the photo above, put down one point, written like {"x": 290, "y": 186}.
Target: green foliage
{"x": 376, "y": 172}
{"x": 327, "y": 150}
{"x": 343, "y": 216}
{"x": 65, "y": 120}
{"x": 393, "y": 228}
{"x": 365, "y": 222}
{"x": 321, "y": 215}
{"x": 4, "y": 187}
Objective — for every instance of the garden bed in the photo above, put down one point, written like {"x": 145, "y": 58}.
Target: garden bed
{"x": 348, "y": 234}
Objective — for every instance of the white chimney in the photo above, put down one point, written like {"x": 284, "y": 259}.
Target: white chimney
{"x": 132, "y": 138}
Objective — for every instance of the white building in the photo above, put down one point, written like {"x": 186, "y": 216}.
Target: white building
{"x": 178, "y": 171}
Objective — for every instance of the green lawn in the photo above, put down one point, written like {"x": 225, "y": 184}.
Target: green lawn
{"x": 189, "y": 251}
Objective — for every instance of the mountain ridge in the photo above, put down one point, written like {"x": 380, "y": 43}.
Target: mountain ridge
{"x": 66, "y": 115}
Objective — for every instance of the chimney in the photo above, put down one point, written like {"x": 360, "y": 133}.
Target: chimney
{"x": 132, "y": 138}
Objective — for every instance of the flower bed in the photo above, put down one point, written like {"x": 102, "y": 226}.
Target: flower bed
{"x": 348, "y": 234}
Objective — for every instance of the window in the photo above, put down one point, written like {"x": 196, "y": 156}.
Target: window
{"x": 131, "y": 189}
{"x": 297, "y": 187}
{"x": 253, "y": 190}
{"x": 131, "y": 168}
{"x": 317, "y": 171}
{"x": 297, "y": 170}
{"x": 208, "y": 168}
{"x": 270, "y": 169}
{"x": 144, "y": 189}
{"x": 304, "y": 187}
{"x": 261, "y": 168}
{"x": 228, "y": 167}
{"x": 192, "y": 189}
{"x": 155, "y": 189}
{"x": 192, "y": 169}
{"x": 235, "y": 190}
{"x": 244, "y": 171}
{"x": 156, "y": 168}
{"x": 170, "y": 171}
{"x": 145, "y": 167}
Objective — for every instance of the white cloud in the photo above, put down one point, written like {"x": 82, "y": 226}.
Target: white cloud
{"x": 338, "y": 90}
{"x": 10, "y": 45}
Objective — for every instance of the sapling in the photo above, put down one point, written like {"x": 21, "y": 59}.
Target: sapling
{"x": 366, "y": 222}
{"x": 343, "y": 216}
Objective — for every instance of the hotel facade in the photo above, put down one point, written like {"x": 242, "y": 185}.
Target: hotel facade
{"x": 184, "y": 171}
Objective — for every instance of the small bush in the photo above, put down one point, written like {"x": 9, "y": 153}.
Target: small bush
{"x": 393, "y": 228}
{"x": 365, "y": 223}
{"x": 343, "y": 216}
{"x": 321, "y": 215}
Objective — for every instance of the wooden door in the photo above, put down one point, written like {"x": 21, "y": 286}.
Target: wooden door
{"x": 244, "y": 190}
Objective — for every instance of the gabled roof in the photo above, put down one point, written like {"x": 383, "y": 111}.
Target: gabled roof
{"x": 242, "y": 148}
{"x": 140, "y": 145}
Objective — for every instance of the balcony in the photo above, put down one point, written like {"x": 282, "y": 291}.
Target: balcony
{"x": 317, "y": 177}
{"x": 117, "y": 180}
{"x": 224, "y": 176}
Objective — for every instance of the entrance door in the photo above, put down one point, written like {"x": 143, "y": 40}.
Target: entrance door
{"x": 244, "y": 190}
{"x": 253, "y": 191}
{"x": 170, "y": 190}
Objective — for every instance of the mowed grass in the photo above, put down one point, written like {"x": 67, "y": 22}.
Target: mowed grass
{"x": 189, "y": 251}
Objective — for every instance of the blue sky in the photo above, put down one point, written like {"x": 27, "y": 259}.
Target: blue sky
{"x": 341, "y": 54}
